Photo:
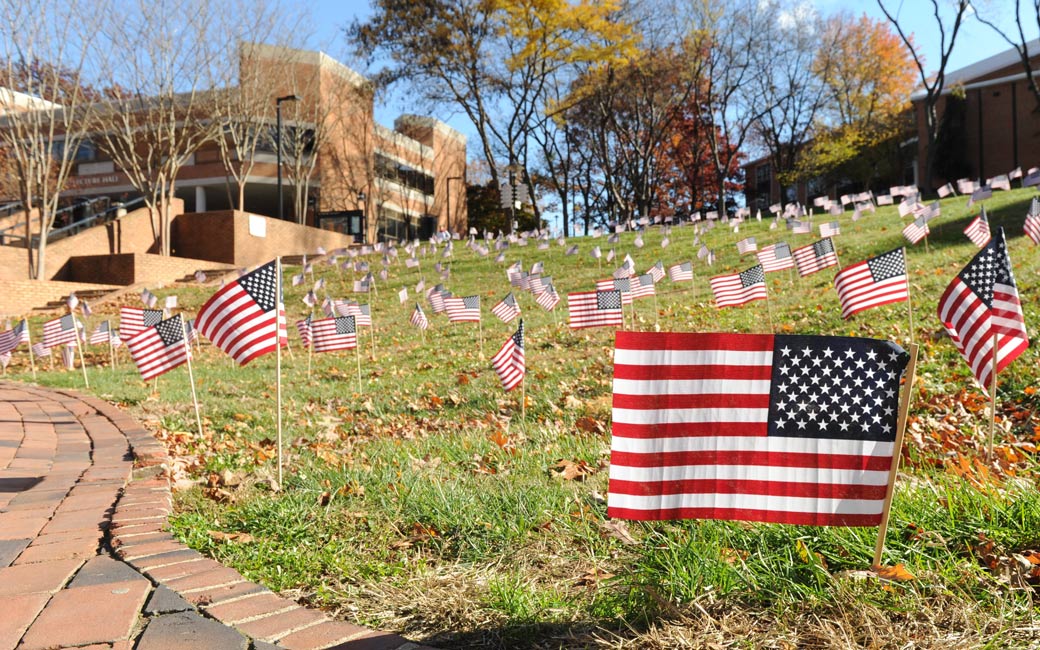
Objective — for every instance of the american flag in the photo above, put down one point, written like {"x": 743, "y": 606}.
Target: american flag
{"x": 946, "y": 190}
{"x": 362, "y": 313}
{"x": 506, "y": 309}
{"x": 160, "y": 348}
{"x": 776, "y": 257}
{"x": 982, "y": 304}
{"x": 642, "y": 286}
{"x": 625, "y": 270}
{"x": 189, "y": 325}
{"x": 10, "y": 339}
{"x": 881, "y": 280}
{"x": 656, "y": 271}
{"x": 509, "y": 362}
{"x": 705, "y": 426}
{"x": 747, "y": 245}
{"x": 830, "y": 229}
{"x": 304, "y": 328}
{"x": 916, "y": 230}
{"x": 363, "y": 285}
{"x": 739, "y": 288}
{"x": 680, "y": 272}
{"x": 596, "y": 253}
{"x": 463, "y": 309}
{"x": 246, "y": 318}
{"x": 1032, "y": 224}
{"x": 624, "y": 285}
{"x": 537, "y": 268}
{"x": 815, "y": 257}
{"x": 980, "y": 194}
{"x": 133, "y": 320}
{"x": 101, "y": 334}
{"x": 1000, "y": 182}
{"x": 148, "y": 298}
{"x": 40, "y": 350}
{"x": 411, "y": 262}
{"x": 331, "y": 334}
{"x": 638, "y": 241}
{"x": 1031, "y": 178}
{"x": 418, "y": 318}
{"x": 436, "y": 297}
{"x": 978, "y": 230}
{"x": 60, "y": 330}
{"x": 548, "y": 299}
{"x": 537, "y": 283}
{"x": 799, "y": 227}
{"x": 402, "y": 295}
{"x": 594, "y": 309}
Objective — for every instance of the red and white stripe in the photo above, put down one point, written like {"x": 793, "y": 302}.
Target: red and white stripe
{"x": 807, "y": 262}
{"x": 858, "y": 289}
{"x": 326, "y": 338}
{"x": 152, "y": 356}
{"x": 729, "y": 290}
{"x": 509, "y": 362}
{"x": 583, "y": 311}
{"x": 767, "y": 258}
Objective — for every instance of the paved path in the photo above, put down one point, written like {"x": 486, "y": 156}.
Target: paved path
{"x": 86, "y": 562}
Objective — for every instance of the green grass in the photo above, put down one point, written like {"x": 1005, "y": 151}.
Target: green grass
{"x": 424, "y": 503}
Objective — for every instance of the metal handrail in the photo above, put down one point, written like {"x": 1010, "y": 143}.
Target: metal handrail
{"x": 110, "y": 213}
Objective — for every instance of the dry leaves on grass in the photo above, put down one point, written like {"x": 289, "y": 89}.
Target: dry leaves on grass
{"x": 238, "y": 538}
{"x": 572, "y": 470}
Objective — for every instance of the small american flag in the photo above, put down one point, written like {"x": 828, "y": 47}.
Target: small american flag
{"x": 982, "y": 304}
{"x": 509, "y": 362}
{"x": 799, "y": 227}
{"x": 596, "y": 253}
{"x": 101, "y": 334}
{"x": 331, "y": 334}
{"x": 830, "y": 229}
{"x": 10, "y": 339}
{"x": 298, "y": 279}
{"x": 739, "y": 288}
{"x": 776, "y": 257}
{"x": 436, "y": 297}
{"x": 656, "y": 271}
{"x": 304, "y": 328}
{"x": 1031, "y": 178}
{"x": 463, "y": 309}
{"x": 705, "y": 427}
{"x": 624, "y": 285}
{"x": 642, "y": 286}
{"x": 418, "y": 318}
{"x": 625, "y": 270}
{"x": 681, "y": 272}
{"x": 946, "y": 190}
{"x": 1000, "y": 182}
{"x": 159, "y": 348}
{"x": 506, "y": 309}
{"x": 148, "y": 298}
{"x": 362, "y": 313}
{"x": 1032, "y": 224}
{"x": 594, "y": 309}
{"x": 638, "y": 241}
{"x": 60, "y": 330}
{"x": 881, "y": 280}
{"x": 978, "y": 230}
{"x": 548, "y": 299}
{"x": 40, "y": 351}
{"x": 573, "y": 250}
{"x": 815, "y": 257}
{"x": 980, "y": 194}
{"x": 916, "y": 230}
{"x": 747, "y": 245}
{"x": 537, "y": 283}
{"x": 246, "y": 318}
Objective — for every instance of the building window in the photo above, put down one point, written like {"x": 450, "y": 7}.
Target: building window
{"x": 410, "y": 177}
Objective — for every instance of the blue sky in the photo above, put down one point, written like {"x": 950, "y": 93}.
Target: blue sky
{"x": 975, "y": 42}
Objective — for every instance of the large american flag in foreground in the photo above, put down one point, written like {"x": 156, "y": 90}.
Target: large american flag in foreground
{"x": 783, "y": 429}
{"x": 878, "y": 281}
{"x": 509, "y": 362}
{"x": 159, "y": 349}
{"x": 739, "y": 288}
{"x": 815, "y": 257}
{"x": 982, "y": 304}
{"x": 241, "y": 318}
{"x": 594, "y": 309}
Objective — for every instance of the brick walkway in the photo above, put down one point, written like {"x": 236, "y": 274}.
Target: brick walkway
{"x": 85, "y": 561}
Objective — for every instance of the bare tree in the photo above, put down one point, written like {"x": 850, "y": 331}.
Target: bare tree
{"x": 935, "y": 82}
{"x": 1021, "y": 45}
{"x": 46, "y": 105}
{"x": 163, "y": 58}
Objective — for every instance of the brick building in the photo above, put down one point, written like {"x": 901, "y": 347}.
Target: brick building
{"x": 990, "y": 119}
{"x": 374, "y": 182}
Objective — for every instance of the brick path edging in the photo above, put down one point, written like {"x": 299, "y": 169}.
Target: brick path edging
{"x": 139, "y": 536}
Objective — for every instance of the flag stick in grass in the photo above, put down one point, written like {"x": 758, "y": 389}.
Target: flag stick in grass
{"x": 357, "y": 356}
{"x": 278, "y": 360}
{"x": 904, "y": 407}
{"x": 191, "y": 376}
{"x": 79, "y": 346}
{"x": 32, "y": 357}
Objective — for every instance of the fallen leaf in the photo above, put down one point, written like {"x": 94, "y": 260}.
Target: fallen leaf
{"x": 618, "y": 530}
{"x": 897, "y": 573}
{"x": 240, "y": 538}
{"x": 570, "y": 470}
{"x": 593, "y": 577}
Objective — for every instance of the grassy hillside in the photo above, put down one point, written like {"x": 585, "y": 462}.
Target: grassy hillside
{"x": 424, "y": 503}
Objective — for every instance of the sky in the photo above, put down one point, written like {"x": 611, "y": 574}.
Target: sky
{"x": 974, "y": 43}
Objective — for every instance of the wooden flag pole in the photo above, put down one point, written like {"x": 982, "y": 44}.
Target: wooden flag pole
{"x": 897, "y": 448}
{"x": 310, "y": 345}
{"x": 32, "y": 357}
{"x": 82, "y": 361}
{"x": 769, "y": 315}
{"x": 480, "y": 334}
{"x": 992, "y": 399}
{"x": 357, "y": 355}
{"x": 278, "y": 361}
{"x": 191, "y": 377}
{"x": 372, "y": 328}
{"x": 656, "y": 310}
{"x": 909, "y": 307}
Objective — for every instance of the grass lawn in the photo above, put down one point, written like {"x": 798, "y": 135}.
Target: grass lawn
{"x": 424, "y": 503}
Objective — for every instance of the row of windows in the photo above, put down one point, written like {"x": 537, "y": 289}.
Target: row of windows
{"x": 402, "y": 174}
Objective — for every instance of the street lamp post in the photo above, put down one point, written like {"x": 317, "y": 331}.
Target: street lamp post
{"x": 449, "y": 180}
{"x": 364, "y": 222}
{"x": 278, "y": 145}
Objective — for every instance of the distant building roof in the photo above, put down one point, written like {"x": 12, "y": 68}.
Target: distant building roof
{"x": 12, "y": 100}
{"x": 964, "y": 76}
